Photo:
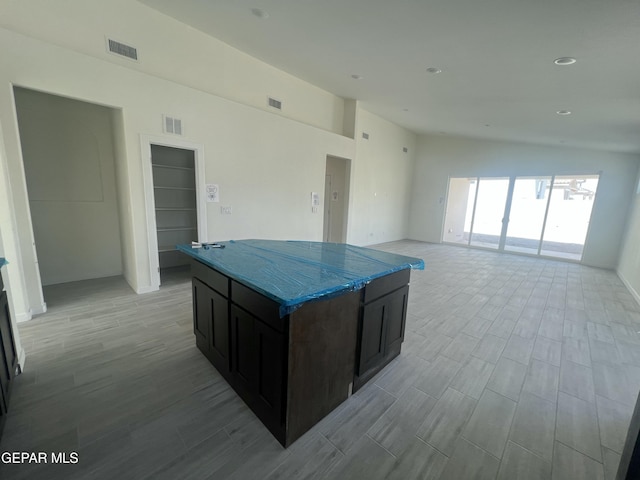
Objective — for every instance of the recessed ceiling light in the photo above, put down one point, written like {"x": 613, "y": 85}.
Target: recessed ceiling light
{"x": 357, "y": 77}
{"x": 433, "y": 70}
{"x": 565, "y": 61}
{"x": 261, "y": 14}
{"x": 564, "y": 112}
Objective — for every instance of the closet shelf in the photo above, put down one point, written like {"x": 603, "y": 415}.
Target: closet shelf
{"x": 176, "y": 202}
{"x": 175, "y": 188}
{"x": 175, "y": 209}
{"x": 166, "y": 248}
{"x": 172, "y": 167}
{"x": 175, "y": 229}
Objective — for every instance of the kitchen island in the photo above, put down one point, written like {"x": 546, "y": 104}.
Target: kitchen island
{"x": 296, "y": 327}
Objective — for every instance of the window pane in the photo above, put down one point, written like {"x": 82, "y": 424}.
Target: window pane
{"x": 487, "y": 223}
{"x": 457, "y": 222}
{"x": 569, "y": 215}
{"x": 528, "y": 205}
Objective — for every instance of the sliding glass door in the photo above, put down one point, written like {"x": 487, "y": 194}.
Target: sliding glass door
{"x": 460, "y": 201}
{"x": 486, "y": 228}
{"x": 569, "y": 216}
{"x": 546, "y": 216}
{"x": 526, "y": 218}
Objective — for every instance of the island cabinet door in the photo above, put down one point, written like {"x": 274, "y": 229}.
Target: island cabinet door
{"x": 396, "y": 309}
{"x": 373, "y": 335}
{"x": 271, "y": 371}
{"x": 244, "y": 354}
{"x": 211, "y": 325}
{"x": 382, "y": 333}
{"x": 257, "y": 365}
{"x": 201, "y": 315}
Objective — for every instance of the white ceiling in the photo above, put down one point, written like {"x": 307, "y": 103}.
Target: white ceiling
{"x": 498, "y": 78}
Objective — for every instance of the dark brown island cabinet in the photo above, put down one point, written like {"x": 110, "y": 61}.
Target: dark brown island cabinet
{"x": 8, "y": 354}
{"x": 293, "y": 363}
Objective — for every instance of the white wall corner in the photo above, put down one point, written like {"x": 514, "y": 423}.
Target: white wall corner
{"x": 146, "y": 289}
{"x": 634, "y": 293}
{"x": 41, "y": 309}
{"x": 24, "y": 316}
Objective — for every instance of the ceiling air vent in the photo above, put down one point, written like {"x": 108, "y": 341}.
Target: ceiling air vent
{"x": 275, "y": 103}
{"x": 122, "y": 49}
{"x": 365, "y": 135}
{"x": 172, "y": 125}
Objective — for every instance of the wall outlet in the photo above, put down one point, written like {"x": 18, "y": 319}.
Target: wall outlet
{"x": 225, "y": 210}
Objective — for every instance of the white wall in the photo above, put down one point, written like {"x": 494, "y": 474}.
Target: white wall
{"x": 169, "y": 49}
{"x": 67, "y": 148}
{"x": 381, "y": 187}
{"x": 123, "y": 187}
{"x": 629, "y": 265}
{"x": 439, "y": 157}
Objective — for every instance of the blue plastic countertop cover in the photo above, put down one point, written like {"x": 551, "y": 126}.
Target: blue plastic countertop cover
{"x": 294, "y": 272}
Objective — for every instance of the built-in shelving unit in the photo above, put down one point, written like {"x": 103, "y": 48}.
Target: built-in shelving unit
{"x": 174, "y": 186}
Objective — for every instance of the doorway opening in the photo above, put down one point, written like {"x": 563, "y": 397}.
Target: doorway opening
{"x": 545, "y": 216}
{"x": 70, "y": 162}
{"x": 175, "y": 202}
{"x": 336, "y": 199}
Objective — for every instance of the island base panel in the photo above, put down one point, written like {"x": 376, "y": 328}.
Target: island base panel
{"x": 322, "y": 350}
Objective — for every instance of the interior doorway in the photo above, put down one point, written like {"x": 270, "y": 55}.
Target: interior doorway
{"x": 336, "y": 199}
{"x": 174, "y": 191}
{"x": 175, "y": 200}
{"x": 545, "y": 216}
{"x": 69, "y": 158}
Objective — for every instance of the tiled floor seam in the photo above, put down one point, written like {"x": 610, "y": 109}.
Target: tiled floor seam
{"x": 601, "y": 462}
{"x": 380, "y": 445}
{"x": 435, "y": 448}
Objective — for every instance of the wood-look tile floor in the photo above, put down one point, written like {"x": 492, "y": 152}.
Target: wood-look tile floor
{"x": 512, "y": 368}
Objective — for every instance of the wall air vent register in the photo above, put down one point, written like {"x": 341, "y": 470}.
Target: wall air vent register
{"x": 274, "y": 103}
{"x": 118, "y": 48}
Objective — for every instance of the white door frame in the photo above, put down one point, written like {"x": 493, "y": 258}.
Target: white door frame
{"x": 150, "y": 204}
{"x": 345, "y": 174}
{"x": 326, "y": 221}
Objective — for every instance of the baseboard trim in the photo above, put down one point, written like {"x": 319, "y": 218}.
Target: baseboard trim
{"x": 147, "y": 289}
{"x": 634, "y": 293}
{"x": 24, "y": 316}
{"x": 41, "y": 309}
